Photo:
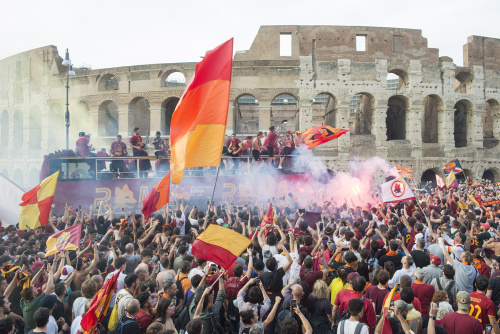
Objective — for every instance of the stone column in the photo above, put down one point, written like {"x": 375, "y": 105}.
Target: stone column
{"x": 157, "y": 120}
{"x": 475, "y": 128}
{"x": 342, "y": 122}
{"x": 230, "y": 118}
{"x": 125, "y": 121}
{"x": 446, "y": 129}
{"x": 264, "y": 116}
{"x": 414, "y": 127}
{"x": 379, "y": 129}
{"x": 305, "y": 115}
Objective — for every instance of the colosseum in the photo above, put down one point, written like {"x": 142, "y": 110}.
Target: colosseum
{"x": 401, "y": 100}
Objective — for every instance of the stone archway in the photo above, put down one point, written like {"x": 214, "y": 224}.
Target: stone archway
{"x": 396, "y": 118}
{"x": 461, "y": 120}
{"x": 433, "y": 106}
{"x": 362, "y": 108}
{"x": 324, "y": 110}
{"x": 285, "y": 107}
{"x": 168, "y": 107}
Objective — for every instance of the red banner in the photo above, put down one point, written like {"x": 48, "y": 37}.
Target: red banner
{"x": 490, "y": 203}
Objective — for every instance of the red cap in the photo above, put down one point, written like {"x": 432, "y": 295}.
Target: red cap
{"x": 486, "y": 226}
{"x": 381, "y": 243}
{"x": 435, "y": 260}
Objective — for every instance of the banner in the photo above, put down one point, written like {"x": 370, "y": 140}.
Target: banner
{"x": 490, "y": 203}
{"x": 405, "y": 172}
{"x": 452, "y": 166}
{"x": 396, "y": 190}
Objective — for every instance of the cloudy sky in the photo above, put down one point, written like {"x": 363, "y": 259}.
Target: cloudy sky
{"x": 110, "y": 33}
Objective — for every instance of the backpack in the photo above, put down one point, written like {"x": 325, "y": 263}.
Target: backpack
{"x": 216, "y": 327}
{"x": 180, "y": 290}
{"x": 120, "y": 324}
{"x": 182, "y": 317}
{"x": 451, "y": 296}
{"x": 357, "y": 330}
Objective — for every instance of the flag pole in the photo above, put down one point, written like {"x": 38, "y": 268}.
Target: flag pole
{"x": 215, "y": 185}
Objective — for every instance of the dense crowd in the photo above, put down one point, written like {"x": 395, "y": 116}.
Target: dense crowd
{"x": 323, "y": 267}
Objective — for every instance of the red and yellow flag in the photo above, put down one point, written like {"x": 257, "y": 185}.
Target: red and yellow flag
{"x": 220, "y": 245}
{"x": 99, "y": 306}
{"x": 37, "y": 203}
{"x": 157, "y": 197}
{"x": 268, "y": 219}
{"x": 68, "y": 239}
{"x": 451, "y": 181}
{"x": 405, "y": 172}
{"x": 198, "y": 124}
{"x": 320, "y": 135}
{"x": 387, "y": 305}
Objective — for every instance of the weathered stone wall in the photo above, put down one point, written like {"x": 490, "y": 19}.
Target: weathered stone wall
{"x": 437, "y": 112}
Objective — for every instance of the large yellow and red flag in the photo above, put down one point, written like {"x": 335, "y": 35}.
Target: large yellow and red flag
{"x": 68, "y": 239}
{"x": 387, "y": 305}
{"x": 451, "y": 181}
{"x": 220, "y": 245}
{"x": 37, "y": 203}
{"x": 100, "y": 304}
{"x": 157, "y": 197}
{"x": 198, "y": 124}
{"x": 320, "y": 135}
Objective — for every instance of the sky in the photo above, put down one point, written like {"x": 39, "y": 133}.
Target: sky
{"x": 110, "y": 33}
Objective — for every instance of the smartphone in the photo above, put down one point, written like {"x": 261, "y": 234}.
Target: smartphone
{"x": 257, "y": 281}
{"x": 321, "y": 225}
{"x": 213, "y": 266}
{"x": 79, "y": 206}
{"x": 345, "y": 249}
{"x": 294, "y": 303}
{"x": 488, "y": 329}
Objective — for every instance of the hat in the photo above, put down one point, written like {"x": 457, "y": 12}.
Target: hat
{"x": 329, "y": 231}
{"x": 289, "y": 132}
{"x": 419, "y": 236}
{"x": 463, "y": 300}
{"x": 381, "y": 243}
{"x": 37, "y": 265}
{"x": 435, "y": 260}
{"x": 352, "y": 275}
{"x": 298, "y": 132}
{"x": 49, "y": 301}
{"x": 65, "y": 272}
{"x": 402, "y": 306}
{"x": 485, "y": 225}
{"x": 220, "y": 221}
{"x": 331, "y": 245}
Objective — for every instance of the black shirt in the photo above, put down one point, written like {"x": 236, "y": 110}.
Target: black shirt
{"x": 396, "y": 259}
{"x": 58, "y": 311}
{"x": 494, "y": 286}
{"x": 273, "y": 280}
{"x": 420, "y": 258}
{"x": 132, "y": 327}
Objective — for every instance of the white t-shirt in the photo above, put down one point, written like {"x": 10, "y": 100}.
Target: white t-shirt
{"x": 79, "y": 306}
{"x": 195, "y": 271}
{"x": 75, "y": 325}
{"x": 267, "y": 252}
{"x": 350, "y": 328}
{"x": 52, "y": 326}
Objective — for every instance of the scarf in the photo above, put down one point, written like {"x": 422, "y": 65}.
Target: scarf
{"x": 6, "y": 270}
{"x": 392, "y": 253}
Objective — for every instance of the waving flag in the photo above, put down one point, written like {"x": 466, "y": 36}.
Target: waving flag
{"x": 157, "y": 197}
{"x": 199, "y": 121}
{"x": 220, "y": 245}
{"x": 99, "y": 306}
{"x": 37, "y": 203}
{"x": 320, "y": 135}
{"x": 475, "y": 200}
{"x": 439, "y": 182}
{"x": 68, "y": 239}
{"x": 405, "y": 172}
{"x": 396, "y": 190}
{"x": 268, "y": 219}
{"x": 452, "y": 166}
{"x": 387, "y": 305}
{"x": 451, "y": 181}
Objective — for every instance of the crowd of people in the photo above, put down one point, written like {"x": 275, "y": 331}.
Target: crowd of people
{"x": 266, "y": 149}
{"x": 334, "y": 274}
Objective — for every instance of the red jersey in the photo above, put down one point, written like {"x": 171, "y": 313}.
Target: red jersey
{"x": 342, "y": 301}
{"x": 82, "y": 147}
{"x": 234, "y": 145}
{"x": 271, "y": 139}
{"x": 118, "y": 149}
{"x": 481, "y": 308}
{"x": 136, "y": 141}
{"x": 424, "y": 293}
{"x": 456, "y": 323}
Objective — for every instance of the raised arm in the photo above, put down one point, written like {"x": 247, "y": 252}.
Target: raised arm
{"x": 12, "y": 285}
{"x": 288, "y": 257}
{"x": 445, "y": 251}
{"x": 49, "y": 288}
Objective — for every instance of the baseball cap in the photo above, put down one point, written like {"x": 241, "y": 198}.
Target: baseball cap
{"x": 331, "y": 245}
{"x": 435, "y": 260}
{"x": 65, "y": 272}
{"x": 220, "y": 221}
{"x": 328, "y": 230}
{"x": 485, "y": 225}
{"x": 402, "y": 306}
{"x": 49, "y": 301}
{"x": 289, "y": 132}
{"x": 352, "y": 275}
{"x": 381, "y": 243}
{"x": 463, "y": 300}
{"x": 37, "y": 265}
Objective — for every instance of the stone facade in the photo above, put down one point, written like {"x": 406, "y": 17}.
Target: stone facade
{"x": 329, "y": 75}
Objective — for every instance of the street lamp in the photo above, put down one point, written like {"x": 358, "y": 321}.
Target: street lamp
{"x": 67, "y": 62}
